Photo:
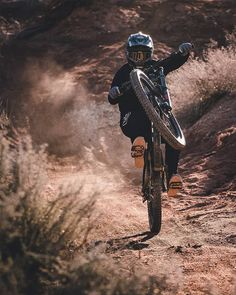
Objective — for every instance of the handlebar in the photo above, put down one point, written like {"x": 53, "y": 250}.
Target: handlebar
{"x": 158, "y": 74}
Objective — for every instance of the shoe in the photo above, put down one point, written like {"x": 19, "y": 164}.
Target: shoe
{"x": 175, "y": 185}
{"x": 137, "y": 151}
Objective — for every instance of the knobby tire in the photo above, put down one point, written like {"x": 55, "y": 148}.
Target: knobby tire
{"x": 154, "y": 204}
{"x": 152, "y": 182}
{"x": 177, "y": 141}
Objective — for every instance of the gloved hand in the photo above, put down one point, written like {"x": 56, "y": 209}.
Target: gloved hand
{"x": 114, "y": 92}
{"x": 185, "y": 48}
{"x": 166, "y": 107}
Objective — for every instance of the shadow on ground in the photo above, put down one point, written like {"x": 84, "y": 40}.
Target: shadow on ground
{"x": 131, "y": 242}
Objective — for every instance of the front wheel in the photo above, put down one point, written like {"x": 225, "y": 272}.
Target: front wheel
{"x": 167, "y": 126}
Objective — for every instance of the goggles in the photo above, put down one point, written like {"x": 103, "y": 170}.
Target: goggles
{"x": 139, "y": 56}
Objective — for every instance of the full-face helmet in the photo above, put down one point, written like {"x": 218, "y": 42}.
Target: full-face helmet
{"x": 139, "y": 49}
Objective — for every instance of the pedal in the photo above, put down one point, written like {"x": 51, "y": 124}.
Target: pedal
{"x": 137, "y": 151}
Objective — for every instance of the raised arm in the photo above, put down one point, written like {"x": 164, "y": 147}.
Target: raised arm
{"x": 176, "y": 59}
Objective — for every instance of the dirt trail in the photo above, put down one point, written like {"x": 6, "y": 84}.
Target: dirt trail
{"x": 196, "y": 246}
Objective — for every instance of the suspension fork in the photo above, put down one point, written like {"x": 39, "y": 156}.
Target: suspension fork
{"x": 163, "y": 87}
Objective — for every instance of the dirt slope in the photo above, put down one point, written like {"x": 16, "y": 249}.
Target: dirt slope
{"x": 196, "y": 247}
{"x": 90, "y": 42}
{"x": 211, "y": 154}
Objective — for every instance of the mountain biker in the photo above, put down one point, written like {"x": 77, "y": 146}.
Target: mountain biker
{"x": 134, "y": 122}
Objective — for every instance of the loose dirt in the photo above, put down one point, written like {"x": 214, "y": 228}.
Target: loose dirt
{"x": 196, "y": 248}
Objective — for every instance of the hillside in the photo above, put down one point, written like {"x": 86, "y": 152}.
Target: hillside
{"x": 54, "y": 83}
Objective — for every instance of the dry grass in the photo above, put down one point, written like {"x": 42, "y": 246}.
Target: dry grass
{"x": 43, "y": 247}
{"x": 200, "y": 83}
{"x": 94, "y": 280}
{"x": 35, "y": 235}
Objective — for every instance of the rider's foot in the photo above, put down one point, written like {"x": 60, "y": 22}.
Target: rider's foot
{"x": 175, "y": 185}
{"x": 137, "y": 151}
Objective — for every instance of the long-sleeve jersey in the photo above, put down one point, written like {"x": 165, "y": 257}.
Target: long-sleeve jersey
{"x": 128, "y": 101}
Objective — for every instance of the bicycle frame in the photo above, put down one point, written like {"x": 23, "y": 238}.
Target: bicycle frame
{"x": 154, "y": 178}
{"x": 155, "y": 157}
{"x": 152, "y": 96}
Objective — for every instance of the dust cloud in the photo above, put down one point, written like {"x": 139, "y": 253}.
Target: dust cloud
{"x": 59, "y": 111}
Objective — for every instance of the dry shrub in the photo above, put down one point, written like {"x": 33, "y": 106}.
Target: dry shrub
{"x": 200, "y": 83}
{"x": 95, "y": 273}
{"x": 39, "y": 238}
{"x": 35, "y": 234}
{"x": 92, "y": 280}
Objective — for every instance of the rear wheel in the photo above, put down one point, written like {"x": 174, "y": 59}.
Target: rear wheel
{"x": 154, "y": 204}
{"x": 152, "y": 189}
{"x": 168, "y": 125}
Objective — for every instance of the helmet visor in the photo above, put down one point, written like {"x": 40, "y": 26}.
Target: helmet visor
{"x": 139, "y": 56}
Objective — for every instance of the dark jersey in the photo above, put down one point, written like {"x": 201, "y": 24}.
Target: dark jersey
{"x": 128, "y": 101}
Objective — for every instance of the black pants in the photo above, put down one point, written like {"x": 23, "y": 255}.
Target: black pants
{"x": 136, "y": 123}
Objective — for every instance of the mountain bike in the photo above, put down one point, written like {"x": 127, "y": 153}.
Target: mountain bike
{"x": 151, "y": 90}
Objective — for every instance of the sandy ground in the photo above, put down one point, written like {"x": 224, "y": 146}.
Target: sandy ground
{"x": 195, "y": 249}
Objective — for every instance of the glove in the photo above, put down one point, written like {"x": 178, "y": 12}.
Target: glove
{"x": 166, "y": 107}
{"x": 185, "y": 48}
{"x": 114, "y": 92}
